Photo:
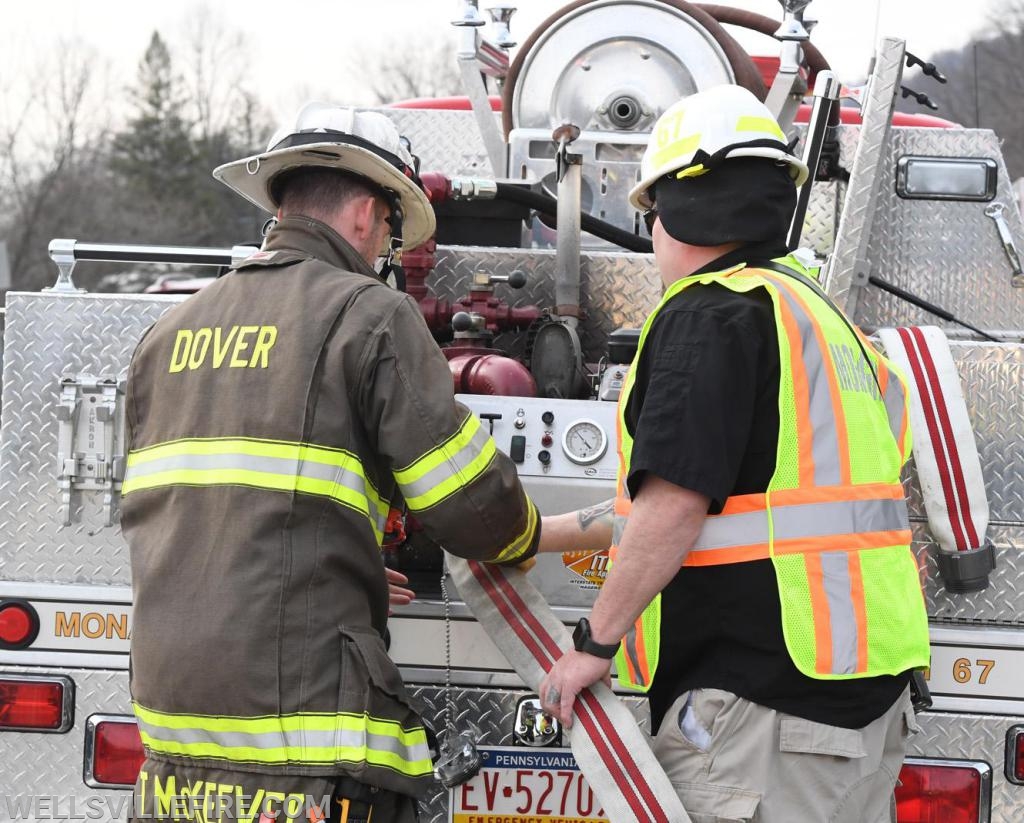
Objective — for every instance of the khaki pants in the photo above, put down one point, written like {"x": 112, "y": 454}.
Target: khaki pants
{"x": 732, "y": 760}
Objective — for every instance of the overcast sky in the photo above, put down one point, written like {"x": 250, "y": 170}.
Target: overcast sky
{"x": 308, "y": 45}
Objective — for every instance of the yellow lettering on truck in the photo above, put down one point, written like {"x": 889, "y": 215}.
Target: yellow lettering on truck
{"x": 249, "y": 348}
{"x": 68, "y": 626}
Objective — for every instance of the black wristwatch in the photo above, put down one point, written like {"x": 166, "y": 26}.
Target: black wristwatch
{"x": 583, "y": 642}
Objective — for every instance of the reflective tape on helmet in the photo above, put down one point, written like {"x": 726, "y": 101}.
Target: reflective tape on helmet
{"x": 304, "y": 739}
{"x": 263, "y": 464}
{"x": 443, "y": 471}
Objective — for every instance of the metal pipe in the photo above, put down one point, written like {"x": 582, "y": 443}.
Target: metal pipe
{"x": 567, "y": 250}
{"x": 826, "y": 94}
{"x": 191, "y": 255}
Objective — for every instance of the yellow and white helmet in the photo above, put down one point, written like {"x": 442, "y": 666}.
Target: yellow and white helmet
{"x": 707, "y": 127}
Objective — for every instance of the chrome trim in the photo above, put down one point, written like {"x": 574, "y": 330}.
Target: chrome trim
{"x": 982, "y": 768}
{"x": 1011, "y": 737}
{"x": 65, "y": 593}
{"x": 90, "y": 747}
{"x": 67, "y": 714}
{"x": 116, "y": 661}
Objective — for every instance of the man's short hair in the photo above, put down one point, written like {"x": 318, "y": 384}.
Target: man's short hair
{"x": 318, "y": 192}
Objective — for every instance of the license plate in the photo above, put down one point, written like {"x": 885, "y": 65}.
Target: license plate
{"x": 521, "y": 785}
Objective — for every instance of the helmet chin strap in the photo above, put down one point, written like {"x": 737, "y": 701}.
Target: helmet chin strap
{"x": 393, "y": 259}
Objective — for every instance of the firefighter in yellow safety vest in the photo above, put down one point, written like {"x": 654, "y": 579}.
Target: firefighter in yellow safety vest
{"x": 274, "y": 419}
{"x": 763, "y": 592}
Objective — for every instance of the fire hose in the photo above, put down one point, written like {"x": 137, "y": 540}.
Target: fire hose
{"x": 605, "y": 739}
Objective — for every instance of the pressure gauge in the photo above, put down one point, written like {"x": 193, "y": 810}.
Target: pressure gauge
{"x": 584, "y": 441}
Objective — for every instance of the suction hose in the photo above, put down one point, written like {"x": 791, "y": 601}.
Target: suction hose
{"x": 548, "y": 206}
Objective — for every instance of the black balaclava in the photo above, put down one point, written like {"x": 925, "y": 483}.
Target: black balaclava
{"x": 742, "y": 199}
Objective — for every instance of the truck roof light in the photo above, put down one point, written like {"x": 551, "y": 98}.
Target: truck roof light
{"x": 1015, "y": 755}
{"x": 944, "y": 791}
{"x": 36, "y": 704}
{"x": 19, "y": 624}
{"x": 113, "y": 751}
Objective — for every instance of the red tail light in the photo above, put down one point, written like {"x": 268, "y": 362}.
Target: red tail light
{"x": 113, "y": 751}
{"x": 19, "y": 624}
{"x": 36, "y": 704}
{"x": 1015, "y": 755}
{"x": 944, "y": 791}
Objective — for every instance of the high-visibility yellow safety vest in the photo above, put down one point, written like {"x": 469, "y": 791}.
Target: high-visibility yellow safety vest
{"x": 833, "y": 519}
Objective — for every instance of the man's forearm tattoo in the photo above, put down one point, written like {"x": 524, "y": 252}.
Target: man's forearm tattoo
{"x": 602, "y": 512}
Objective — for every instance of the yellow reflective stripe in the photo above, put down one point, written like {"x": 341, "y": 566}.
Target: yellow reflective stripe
{"x": 423, "y": 465}
{"x": 246, "y": 445}
{"x": 456, "y": 481}
{"x": 341, "y": 475}
{"x": 197, "y": 736}
{"x": 762, "y": 124}
{"x": 265, "y": 724}
{"x": 522, "y": 543}
{"x": 677, "y": 148}
{"x": 289, "y": 754}
{"x": 448, "y": 468}
{"x": 692, "y": 171}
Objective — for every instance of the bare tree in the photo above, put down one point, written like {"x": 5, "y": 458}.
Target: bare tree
{"x": 50, "y": 138}
{"x": 215, "y": 58}
{"x": 418, "y": 71}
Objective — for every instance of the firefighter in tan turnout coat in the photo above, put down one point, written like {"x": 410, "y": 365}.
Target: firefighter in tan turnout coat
{"x": 274, "y": 419}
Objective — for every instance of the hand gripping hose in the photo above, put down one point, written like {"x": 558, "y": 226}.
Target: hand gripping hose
{"x": 613, "y": 753}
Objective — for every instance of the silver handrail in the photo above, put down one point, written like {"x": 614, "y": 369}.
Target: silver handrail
{"x": 66, "y": 253}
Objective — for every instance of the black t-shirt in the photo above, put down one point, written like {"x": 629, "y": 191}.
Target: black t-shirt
{"x": 704, "y": 415}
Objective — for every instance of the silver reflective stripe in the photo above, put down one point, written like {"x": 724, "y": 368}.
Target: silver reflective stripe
{"x": 629, "y": 645}
{"x": 458, "y": 462}
{"x": 285, "y": 466}
{"x": 846, "y": 517}
{"x": 835, "y": 568}
{"x": 895, "y": 406}
{"x": 824, "y": 443}
{"x": 618, "y": 528}
{"x": 723, "y": 531}
{"x": 804, "y": 521}
{"x": 288, "y": 739}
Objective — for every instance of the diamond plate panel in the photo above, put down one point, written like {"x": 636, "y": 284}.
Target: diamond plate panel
{"x": 1002, "y": 603}
{"x": 47, "y": 335}
{"x": 445, "y": 141}
{"x": 50, "y": 765}
{"x": 973, "y": 737}
{"x": 949, "y": 253}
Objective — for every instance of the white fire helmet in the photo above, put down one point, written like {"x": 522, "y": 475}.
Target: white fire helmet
{"x": 364, "y": 143}
{"x": 707, "y": 127}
